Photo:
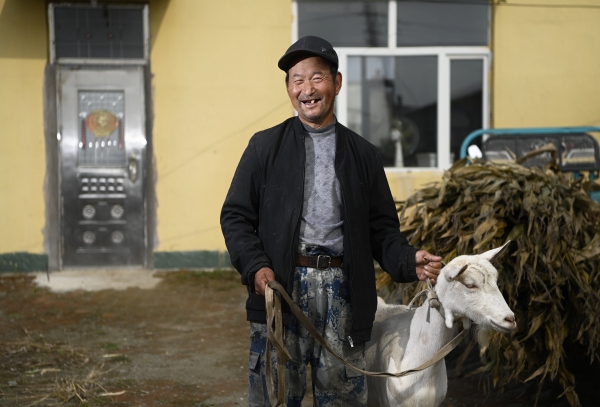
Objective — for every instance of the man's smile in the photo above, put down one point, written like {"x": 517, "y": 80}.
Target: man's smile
{"x": 310, "y": 102}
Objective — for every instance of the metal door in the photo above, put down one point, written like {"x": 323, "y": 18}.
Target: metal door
{"x": 101, "y": 125}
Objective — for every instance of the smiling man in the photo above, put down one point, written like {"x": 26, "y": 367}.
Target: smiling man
{"x": 310, "y": 207}
{"x": 312, "y": 85}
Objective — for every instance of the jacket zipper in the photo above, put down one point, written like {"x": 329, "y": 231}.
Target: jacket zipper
{"x": 346, "y": 252}
{"x": 296, "y": 235}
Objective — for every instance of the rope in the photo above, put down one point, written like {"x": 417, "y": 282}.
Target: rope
{"x": 275, "y": 338}
{"x": 434, "y": 301}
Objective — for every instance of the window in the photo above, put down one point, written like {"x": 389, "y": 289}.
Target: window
{"x": 415, "y": 83}
{"x": 466, "y": 101}
{"x": 101, "y": 132}
{"x": 442, "y": 22}
{"x": 392, "y": 102}
{"x": 345, "y": 23}
{"x": 84, "y": 32}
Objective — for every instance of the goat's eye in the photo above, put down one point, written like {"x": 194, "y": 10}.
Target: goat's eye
{"x": 471, "y": 286}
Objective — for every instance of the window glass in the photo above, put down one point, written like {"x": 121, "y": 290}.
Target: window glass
{"x": 443, "y": 22}
{"x": 345, "y": 24}
{"x": 466, "y": 106}
{"x": 101, "y": 129}
{"x": 99, "y": 32}
{"x": 392, "y": 102}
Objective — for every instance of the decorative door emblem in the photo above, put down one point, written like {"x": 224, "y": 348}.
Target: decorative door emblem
{"x": 102, "y": 122}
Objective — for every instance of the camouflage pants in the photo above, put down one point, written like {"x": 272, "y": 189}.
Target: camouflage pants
{"x": 324, "y": 297}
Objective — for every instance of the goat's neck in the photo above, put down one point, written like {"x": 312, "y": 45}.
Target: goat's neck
{"x": 432, "y": 319}
{"x": 430, "y": 332}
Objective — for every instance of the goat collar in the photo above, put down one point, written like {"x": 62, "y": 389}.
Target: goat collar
{"x": 432, "y": 300}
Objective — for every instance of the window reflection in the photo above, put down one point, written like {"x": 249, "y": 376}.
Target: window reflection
{"x": 442, "y": 23}
{"x": 392, "y": 102}
{"x": 466, "y": 108}
{"x": 345, "y": 24}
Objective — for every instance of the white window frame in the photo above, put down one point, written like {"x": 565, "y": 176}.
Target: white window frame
{"x": 444, "y": 56}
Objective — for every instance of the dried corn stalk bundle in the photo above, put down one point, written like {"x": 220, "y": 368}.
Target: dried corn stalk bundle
{"x": 550, "y": 278}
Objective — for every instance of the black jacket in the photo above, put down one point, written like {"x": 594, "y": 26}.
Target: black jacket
{"x": 260, "y": 218}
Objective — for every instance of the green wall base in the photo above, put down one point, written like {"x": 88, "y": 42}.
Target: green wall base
{"x": 197, "y": 259}
{"x": 23, "y": 262}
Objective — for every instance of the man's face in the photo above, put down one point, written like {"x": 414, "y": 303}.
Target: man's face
{"x": 312, "y": 90}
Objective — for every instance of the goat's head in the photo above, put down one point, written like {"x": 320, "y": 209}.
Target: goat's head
{"x": 467, "y": 288}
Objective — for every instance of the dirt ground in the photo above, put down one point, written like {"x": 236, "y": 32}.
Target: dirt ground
{"x": 180, "y": 342}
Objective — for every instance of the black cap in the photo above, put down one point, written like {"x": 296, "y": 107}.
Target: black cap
{"x": 309, "y": 45}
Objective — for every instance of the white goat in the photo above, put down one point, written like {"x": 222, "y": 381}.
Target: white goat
{"x": 403, "y": 339}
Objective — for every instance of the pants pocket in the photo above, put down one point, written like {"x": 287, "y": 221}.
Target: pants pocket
{"x": 356, "y": 358}
{"x": 254, "y": 362}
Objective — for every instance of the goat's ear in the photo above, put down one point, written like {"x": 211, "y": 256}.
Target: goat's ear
{"x": 455, "y": 272}
{"x": 495, "y": 254}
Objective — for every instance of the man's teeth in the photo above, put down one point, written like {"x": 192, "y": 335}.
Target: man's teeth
{"x": 309, "y": 102}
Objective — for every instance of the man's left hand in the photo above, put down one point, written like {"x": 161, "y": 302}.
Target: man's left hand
{"x": 428, "y": 266}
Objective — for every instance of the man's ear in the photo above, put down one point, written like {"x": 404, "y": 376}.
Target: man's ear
{"x": 338, "y": 83}
{"x": 495, "y": 254}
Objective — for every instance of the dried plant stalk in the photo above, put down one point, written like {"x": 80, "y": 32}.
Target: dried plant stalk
{"x": 550, "y": 279}
{"x": 38, "y": 358}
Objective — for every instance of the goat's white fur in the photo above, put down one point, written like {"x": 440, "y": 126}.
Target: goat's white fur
{"x": 403, "y": 339}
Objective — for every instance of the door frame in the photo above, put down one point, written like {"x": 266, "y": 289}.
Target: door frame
{"x": 52, "y": 193}
{"x": 70, "y": 82}
{"x": 51, "y": 230}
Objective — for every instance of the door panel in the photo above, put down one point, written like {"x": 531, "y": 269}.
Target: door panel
{"x": 102, "y": 151}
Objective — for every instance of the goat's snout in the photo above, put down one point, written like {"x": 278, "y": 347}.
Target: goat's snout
{"x": 505, "y": 325}
{"x": 511, "y": 321}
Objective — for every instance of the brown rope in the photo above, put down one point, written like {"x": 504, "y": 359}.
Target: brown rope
{"x": 275, "y": 338}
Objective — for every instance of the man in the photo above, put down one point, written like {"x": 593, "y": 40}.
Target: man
{"x": 310, "y": 207}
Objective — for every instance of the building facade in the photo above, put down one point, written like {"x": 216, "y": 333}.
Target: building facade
{"x": 123, "y": 122}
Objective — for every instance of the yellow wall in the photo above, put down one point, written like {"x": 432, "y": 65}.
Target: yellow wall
{"x": 216, "y": 83}
{"x": 23, "y": 55}
{"x": 546, "y": 65}
{"x": 404, "y": 183}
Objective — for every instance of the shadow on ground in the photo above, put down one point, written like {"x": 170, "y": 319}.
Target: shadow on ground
{"x": 181, "y": 342}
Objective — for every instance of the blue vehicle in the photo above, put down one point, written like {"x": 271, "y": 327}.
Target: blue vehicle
{"x": 577, "y": 151}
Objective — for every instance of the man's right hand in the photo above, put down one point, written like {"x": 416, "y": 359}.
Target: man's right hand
{"x": 261, "y": 279}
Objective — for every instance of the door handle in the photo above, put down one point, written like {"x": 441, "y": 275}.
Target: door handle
{"x": 133, "y": 168}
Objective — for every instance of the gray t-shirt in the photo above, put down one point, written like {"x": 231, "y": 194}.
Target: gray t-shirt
{"x": 322, "y": 211}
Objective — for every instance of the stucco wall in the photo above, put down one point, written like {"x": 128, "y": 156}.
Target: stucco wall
{"x": 546, "y": 67}
{"x": 23, "y": 55}
{"x": 216, "y": 82}
{"x": 404, "y": 183}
